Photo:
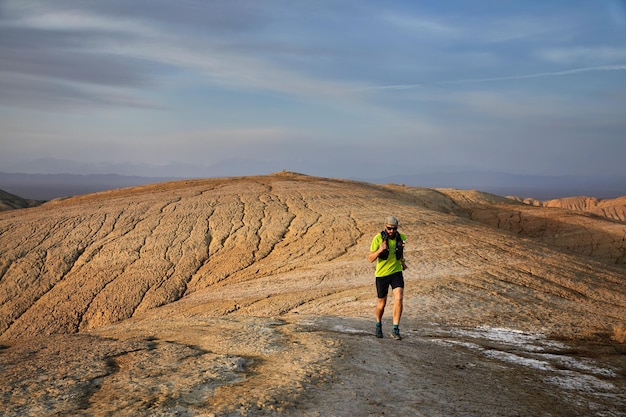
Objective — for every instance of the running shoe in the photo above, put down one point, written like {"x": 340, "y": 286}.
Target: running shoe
{"x": 395, "y": 333}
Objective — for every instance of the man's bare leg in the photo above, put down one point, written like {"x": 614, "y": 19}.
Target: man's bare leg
{"x": 380, "y": 309}
{"x": 398, "y": 293}
{"x": 397, "y": 312}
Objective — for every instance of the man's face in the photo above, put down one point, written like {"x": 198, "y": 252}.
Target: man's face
{"x": 391, "y": 229}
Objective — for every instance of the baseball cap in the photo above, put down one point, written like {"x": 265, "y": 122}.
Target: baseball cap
{"x": 392, "y": 221}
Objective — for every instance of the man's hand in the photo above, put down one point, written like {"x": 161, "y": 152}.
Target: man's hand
{"x": 374, "y": 255}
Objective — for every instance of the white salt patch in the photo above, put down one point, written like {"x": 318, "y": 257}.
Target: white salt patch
{"x": 345, "y": 329}
{"x": 579, "y": 382}
{"x": 533, "y": 342}
{"x": 519, "y": 360}
{"x": 530, "y": 345}
{"x": 456, "y": 343}
{"x": 584, "y": 365}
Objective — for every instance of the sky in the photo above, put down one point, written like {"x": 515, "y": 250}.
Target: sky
{"x": 350, "y": 88}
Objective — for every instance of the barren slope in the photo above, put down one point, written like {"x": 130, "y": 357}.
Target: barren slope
{"x": 252, "y": 296}
{"x": 573, "y": 229}
{"x": 10, "y": 201}
{"x": 611, "y": 208}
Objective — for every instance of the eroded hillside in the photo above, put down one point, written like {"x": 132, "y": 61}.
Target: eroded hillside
{"x": 611, "y": 208}
{"x": 572, "y": 228}
{"x": 89, "y": 261}
{"x": 253, "y": 296}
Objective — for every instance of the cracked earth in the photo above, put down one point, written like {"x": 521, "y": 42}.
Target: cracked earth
{"x": 253, "y": 296}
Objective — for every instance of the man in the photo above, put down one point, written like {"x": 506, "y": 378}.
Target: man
{"x": 387, "y": 249}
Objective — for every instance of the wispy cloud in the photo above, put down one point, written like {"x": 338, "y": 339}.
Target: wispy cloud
{"x": 576, "y": 55}
{"x": 621, "y": 67}
{"x": 422, "y": 26}
{"x": 73, "y": 49}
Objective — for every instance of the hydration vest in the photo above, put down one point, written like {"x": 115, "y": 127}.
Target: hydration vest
{"x": 399, "y": 246}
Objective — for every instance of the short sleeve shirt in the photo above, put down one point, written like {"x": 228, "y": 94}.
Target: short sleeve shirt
{"x": 391, "y": 265}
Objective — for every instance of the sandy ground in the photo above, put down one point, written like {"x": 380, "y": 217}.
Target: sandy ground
{"x": 309, "y": 366}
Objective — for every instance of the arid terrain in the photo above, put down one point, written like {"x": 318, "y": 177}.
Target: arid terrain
{"x": 614, "y": 208}
{"x": 253, "y": 296}
{"x": 10, "y": 201}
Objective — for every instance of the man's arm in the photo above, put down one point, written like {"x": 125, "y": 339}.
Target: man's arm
{"x": 374, "y": 255}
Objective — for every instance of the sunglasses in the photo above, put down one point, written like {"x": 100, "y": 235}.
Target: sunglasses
{"x": 391, "y": 228}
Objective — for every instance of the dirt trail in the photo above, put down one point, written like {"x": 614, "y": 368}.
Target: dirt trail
{"x": 308, "y": 366}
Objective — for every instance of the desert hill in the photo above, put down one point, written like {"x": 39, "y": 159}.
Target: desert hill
{"x": 611, "y": 208}
{"x": 577, "y": 229}
{"x": 253, "y": 296}
{"x": 10, "y": 201}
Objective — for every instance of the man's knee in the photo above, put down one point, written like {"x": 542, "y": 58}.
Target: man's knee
{"x": 398, "y": 293}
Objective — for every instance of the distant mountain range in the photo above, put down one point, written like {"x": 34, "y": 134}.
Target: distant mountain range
{"x": 51, "y": 186}
{"x": 539, "y": 187}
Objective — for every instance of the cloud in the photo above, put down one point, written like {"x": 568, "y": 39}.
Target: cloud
{"x": 41, "y": 94}
{"x": 422, "y": 26}
{"x": 541, "y": 74}
{"x": 585, "y": 55}
{"x": 199, "y": 81}
{"x": 620, "y": 67}
{"x": 66, "y": 52}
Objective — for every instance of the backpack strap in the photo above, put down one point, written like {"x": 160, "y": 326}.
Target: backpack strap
{"x": 399, "y": 245}
{"x": 385, "y": 253}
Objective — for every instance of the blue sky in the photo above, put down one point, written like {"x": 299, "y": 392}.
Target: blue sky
{"x": 352, "y": 88}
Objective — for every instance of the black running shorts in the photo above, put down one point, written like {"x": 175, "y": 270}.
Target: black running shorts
{"x": 382, "y": 283}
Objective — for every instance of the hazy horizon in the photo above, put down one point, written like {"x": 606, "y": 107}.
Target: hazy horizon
{"x": 62, "y": 184}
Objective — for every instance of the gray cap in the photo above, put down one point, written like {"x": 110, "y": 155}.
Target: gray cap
{"x": 392, "y": 221}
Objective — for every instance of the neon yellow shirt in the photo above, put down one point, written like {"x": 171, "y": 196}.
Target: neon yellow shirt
{"x": 391, "y": 265}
